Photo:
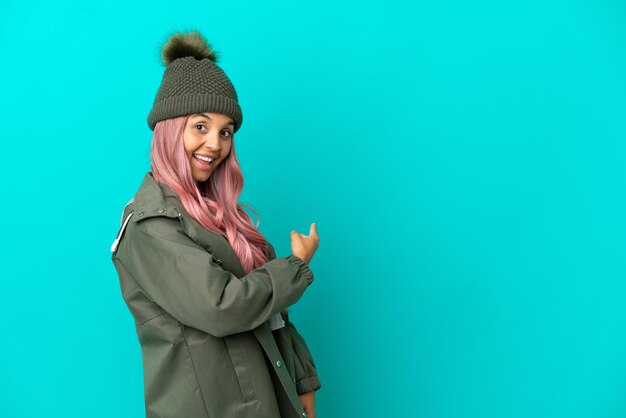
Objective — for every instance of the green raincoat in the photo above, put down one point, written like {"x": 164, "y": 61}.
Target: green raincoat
{"x": 215, "y": 342}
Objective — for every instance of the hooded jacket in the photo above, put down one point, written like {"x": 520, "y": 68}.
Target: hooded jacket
{"x": 215, "y": 342}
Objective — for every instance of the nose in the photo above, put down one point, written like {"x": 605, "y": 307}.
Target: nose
{"x": 212, "y": 141}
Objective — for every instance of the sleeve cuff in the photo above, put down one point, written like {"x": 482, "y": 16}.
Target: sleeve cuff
{"x": 304, "y": 270}
{"x": 308, "y": 384}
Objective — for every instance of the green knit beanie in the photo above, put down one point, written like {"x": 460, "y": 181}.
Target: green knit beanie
{"x": 192, "y": 82}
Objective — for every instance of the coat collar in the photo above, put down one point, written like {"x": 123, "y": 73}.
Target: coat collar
{"x": 155, "y": 199}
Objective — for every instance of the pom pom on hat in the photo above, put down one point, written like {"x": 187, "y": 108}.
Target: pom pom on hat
{"x": 190, "y": 44}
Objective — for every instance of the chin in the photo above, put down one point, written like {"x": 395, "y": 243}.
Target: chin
{"x": 203, "y": 177}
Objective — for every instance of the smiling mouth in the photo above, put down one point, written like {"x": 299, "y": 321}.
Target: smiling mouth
{"x": 202, "y": 164}
{"x": 203, "y": 158}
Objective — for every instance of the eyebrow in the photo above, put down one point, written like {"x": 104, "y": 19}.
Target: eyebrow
{"x": 205, "y": 116}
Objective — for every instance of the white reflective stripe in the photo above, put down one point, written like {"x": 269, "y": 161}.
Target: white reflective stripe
{"x": 117, "y": 240}
{"x": 276, "y": 322}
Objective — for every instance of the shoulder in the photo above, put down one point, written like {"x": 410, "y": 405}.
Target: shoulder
{"x": 158, "y": 227}
{"x": 159, "y": 240}
{"x": 138, "y": 233}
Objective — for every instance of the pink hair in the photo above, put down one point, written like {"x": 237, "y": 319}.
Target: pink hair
{"x": 214, "y": 202}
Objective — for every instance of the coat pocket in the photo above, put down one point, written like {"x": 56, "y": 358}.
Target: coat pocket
{"x": 240, "y": 364}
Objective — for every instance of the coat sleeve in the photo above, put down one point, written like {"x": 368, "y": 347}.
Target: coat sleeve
{"x": 307, "y": 379}
{"x": 186, "y": 281}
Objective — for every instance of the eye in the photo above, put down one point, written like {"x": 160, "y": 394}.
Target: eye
{"x": 199, "y": 124}
{"x": 229, "y": 132}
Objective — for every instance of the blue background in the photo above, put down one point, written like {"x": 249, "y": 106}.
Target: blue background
{"x": 464, "y": 162}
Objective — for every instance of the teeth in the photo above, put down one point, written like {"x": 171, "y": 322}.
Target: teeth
{"x": 200, "y": 157}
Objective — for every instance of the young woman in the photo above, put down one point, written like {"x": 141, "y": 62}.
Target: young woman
{"x": 208, "y": 295}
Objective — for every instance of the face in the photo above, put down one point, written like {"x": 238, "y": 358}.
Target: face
{"x": 207, "y": 135}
